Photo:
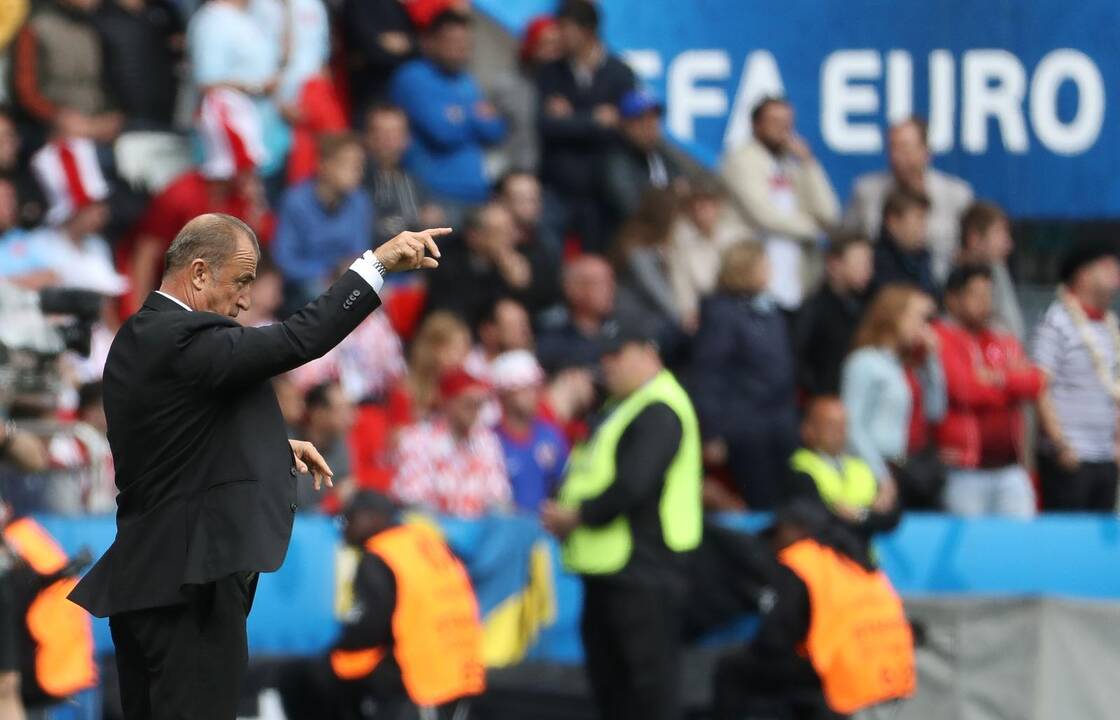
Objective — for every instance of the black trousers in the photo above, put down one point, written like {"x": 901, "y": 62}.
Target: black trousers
{"x": 631, "y": 644}
{"x": 750, "y": 688}
{"x": 1089, "y": 488}
{"x": 309, "y": 690}
{"x": 185, "y": 662}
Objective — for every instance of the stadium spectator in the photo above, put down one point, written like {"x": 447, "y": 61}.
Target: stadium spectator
{"x": 143, "y": 43}
{"x": 229, "y": 49}
{"x": 786, "y": 196}
{"x": 484, "y": 265}
{"x": 58, "y": 73}
{"x": 902, "y": 253}
{"x": 503, "y": 327}
{"x": 742, "y": 378}
{"x": 1077, "y": 345}
{"x": 579, "y": 96}
{"x": 520, "y": 193}
{"x": 82, "y": 453}
{"x": 452, "y": 463}
{"x": 31, "y": 205}
{"x": 441, "y": 344}
{"x": 20, "y": 263}
{"x": 225, "y": 182}
{"x": 329, "y": 415}
{"x": 873, "y": 383}
{"x": 639, "y": 162}
{"x": 450, "y": 118}
{"x": 828, "y": 320}
{"x": 535, "y": 450}
{"x": 71, "y": 244}
{"x": 399, "y": 201}
{"x": 909, "y": 159}
{"x": 988, "y": 379}
{"x": 703, "y": 231}
{"x": 323, "y": 223}
{"x": 986, "y": 240}
{"x": 515, "y": 96}
{"x": 379, "y": 37}
{"x": 641, "y": 260}
{"x": 299, "y": 30}
{"x": 573, "y": 338}
{"x": 821, "y": 469}
{"x": 629, "y": 512}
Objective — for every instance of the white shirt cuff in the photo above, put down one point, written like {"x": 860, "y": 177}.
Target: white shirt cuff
{"x": 364, "y": 266}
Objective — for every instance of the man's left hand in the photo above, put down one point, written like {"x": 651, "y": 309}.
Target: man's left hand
{"x": 308, "y": 460}
{"x": 559, "y": 520}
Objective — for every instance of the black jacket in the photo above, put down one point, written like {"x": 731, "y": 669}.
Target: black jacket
{"x": 895, "y": 265}
{"x": 823, "y": 335}
{"x": 574, "y": 146}
{"x": 206, "y": 475}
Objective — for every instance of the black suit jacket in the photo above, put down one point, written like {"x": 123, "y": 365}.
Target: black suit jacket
{"x": 205, "y": 472}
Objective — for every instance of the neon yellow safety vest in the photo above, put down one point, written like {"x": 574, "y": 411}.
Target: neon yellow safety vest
{"x": 854, "y": 485}
{"x": 591, "y": 470}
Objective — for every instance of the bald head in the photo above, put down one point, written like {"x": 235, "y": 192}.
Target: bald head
{"x": 212, "y": 263}
{"x": 589, "y": 287}
{"x": 825, "y": 427}
{"x": 212, "y": 237}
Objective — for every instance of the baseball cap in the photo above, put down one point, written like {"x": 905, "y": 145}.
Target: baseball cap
{"x": 616, "y": 337}
{"x": 370, "y": 500}
{"x": 515, "y": 370}
{"x": 457, "y": 381}
{"x": 637, "y": 103}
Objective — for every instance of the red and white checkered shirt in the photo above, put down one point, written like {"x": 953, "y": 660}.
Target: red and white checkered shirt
{"x": 366, "y": 363}
{"x": 460, "y": 477}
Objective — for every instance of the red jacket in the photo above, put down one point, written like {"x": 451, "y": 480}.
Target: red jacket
{"x": 988, "y": 379}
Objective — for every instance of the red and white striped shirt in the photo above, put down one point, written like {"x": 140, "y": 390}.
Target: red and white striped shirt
{"x": 465, "y": 477}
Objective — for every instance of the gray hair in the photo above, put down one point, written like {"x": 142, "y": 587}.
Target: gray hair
{"x": 212, "y": 237}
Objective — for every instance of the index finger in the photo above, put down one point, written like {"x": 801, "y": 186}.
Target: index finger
{"x": 430, "y": 243}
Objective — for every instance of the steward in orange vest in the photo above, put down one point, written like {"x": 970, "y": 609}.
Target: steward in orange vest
{"x": 835, "y": 638}
{"x": 414, "y": 634}
{"x": 54, "y": 638}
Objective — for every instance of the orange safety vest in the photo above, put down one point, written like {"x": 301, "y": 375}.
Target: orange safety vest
{"x": 437, "y": 634}
{"x": 61, "y": 630}
{"x": 859, "y": 641}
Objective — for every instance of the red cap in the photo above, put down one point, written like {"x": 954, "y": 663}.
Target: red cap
{"x": 532, "y": 36}
{"x": 423, "y": 12}
{"x": 457, "y": 381}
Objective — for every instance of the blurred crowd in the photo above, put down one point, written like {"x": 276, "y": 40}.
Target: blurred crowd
{"x": 331, "y": 125}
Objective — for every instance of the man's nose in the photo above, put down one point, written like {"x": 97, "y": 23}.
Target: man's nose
{"x": 244, "y": 302}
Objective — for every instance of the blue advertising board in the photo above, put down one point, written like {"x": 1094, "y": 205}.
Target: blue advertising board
{"x": 1017, "y": 93}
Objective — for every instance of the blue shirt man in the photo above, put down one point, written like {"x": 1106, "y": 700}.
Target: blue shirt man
{"x": 450, "y": 119}
{"x": 535, "y": 450}
{"x": 323, "y": 221}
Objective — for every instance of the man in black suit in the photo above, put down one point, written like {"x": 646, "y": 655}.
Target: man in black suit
{"x": 207, "y": 476}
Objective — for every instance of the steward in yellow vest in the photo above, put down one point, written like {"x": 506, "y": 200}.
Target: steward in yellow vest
{"x": 628, "y": 511}
{"x": 863, "y": 504}
{"x": 834, "y": 641}
{"x": 414, "y": 634}
{"x": 54, "y": 637}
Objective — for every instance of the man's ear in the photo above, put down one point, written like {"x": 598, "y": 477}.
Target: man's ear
{"x": 200, "y": 272}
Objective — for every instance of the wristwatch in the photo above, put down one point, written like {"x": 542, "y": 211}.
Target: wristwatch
{"x": 379, "y": 267}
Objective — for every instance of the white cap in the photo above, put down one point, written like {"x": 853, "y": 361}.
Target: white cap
{"x": 515, "y": 370}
